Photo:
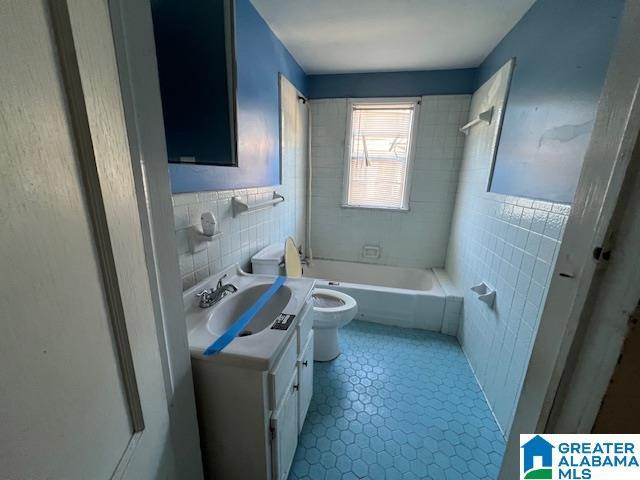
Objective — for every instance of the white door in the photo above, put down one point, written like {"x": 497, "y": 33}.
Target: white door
{"x": 81, "y": 387}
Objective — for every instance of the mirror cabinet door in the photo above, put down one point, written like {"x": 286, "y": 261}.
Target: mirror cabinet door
{"x": 195, "y": 47}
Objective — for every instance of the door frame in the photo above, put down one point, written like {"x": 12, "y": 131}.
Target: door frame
{"x": 605, "y": 166}
{"x": 606, "y": 319}
{"x": 89, "y": 170}
{"x": 132, "y": 29}
{"x": 89, "y": 77}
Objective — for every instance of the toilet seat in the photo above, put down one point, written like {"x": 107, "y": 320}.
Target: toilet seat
{"x": 292, "y": 263}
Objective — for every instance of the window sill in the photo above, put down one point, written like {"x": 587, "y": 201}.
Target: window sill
{"x": 385, "y": 209}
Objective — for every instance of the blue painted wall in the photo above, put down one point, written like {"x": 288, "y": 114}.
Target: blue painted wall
{"x": 562, "y": 50}
{"x": 392, "y": 84}
{"x": 260, "y": 57}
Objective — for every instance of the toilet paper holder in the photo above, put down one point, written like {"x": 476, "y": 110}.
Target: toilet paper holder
{"x": 486, "y": 293}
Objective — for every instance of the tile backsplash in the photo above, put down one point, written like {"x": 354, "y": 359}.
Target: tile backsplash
{"x": 243, "y": 236}
{"x": 417, "y": 238}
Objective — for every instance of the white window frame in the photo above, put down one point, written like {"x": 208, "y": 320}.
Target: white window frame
{"x": 410, "y": 156}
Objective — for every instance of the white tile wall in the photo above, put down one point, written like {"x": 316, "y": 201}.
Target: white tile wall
{"x": 246, "y": 234}
{"x": 416, "y": 238}
{"x": 453, "y": 303}
{"x": 511, "y": 243}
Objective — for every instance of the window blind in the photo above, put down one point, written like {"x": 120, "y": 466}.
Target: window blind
{"x": 380, "y": 145}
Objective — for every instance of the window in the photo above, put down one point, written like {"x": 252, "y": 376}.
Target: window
{"x": 381, "y": 137}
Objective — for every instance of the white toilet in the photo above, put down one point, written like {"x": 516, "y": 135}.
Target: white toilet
{"x": 332, "y": 309}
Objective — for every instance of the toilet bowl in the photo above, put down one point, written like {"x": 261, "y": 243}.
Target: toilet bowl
{"x": 331, "y": 309}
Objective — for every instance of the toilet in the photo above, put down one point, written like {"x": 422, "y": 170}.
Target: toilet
{"x": 331, "y": 309}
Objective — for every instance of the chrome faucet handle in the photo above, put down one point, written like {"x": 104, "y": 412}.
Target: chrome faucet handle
{"x": 219, "y": 285}
{"x": 206, "y": 297}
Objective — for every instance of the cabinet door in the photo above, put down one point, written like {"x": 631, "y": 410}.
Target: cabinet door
{"x": 280, "y": 376}
{"x": 305, "y": 380}
{"x": 196, "y": 68}
{"x": 284, "y": 425}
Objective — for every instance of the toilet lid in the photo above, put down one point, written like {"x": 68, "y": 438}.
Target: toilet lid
{"x": 292, "y": 264}
{"x": 323, "y": 300}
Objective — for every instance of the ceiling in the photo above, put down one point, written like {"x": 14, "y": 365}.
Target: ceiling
{"x": 343, "y": 36}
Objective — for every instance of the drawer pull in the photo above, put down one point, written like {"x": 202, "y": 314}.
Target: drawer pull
{"x": 305, "y": 363}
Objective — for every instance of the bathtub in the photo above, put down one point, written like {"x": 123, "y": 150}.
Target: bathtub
{"x": 404, "y": 297}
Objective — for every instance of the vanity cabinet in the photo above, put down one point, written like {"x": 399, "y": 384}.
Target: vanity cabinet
{"x": 250, "y": 419}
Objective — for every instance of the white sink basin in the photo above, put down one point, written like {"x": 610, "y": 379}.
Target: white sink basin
{"x": 258, "y": 346}
{"x": 232, "y": 307}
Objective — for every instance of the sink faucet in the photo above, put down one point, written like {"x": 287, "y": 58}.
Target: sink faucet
{"x": 208, "y": 298}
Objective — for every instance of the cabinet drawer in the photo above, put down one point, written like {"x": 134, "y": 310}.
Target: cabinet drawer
{"x": 280, "y": 375}
{"x": 304, "y": 327}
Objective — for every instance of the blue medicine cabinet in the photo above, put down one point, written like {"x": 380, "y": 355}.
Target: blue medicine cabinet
{"x": 195, "y": 47}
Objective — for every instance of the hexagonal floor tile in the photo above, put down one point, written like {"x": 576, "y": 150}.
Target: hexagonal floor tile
{"x": 397, "y": 403}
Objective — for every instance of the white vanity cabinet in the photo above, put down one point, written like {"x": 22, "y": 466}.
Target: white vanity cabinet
{"x": 250, "y": 419}
{"x": 292, "y": 406}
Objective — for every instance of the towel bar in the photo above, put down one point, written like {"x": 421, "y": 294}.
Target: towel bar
{"x": 240, "y": 207}
{"x": 483, "y": 117}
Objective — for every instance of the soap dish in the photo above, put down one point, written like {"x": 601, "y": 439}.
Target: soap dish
{"x": 485, "y": 293}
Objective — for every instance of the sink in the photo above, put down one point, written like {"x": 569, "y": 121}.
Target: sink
{"x": 258, "y": 346}
{"x": 231, "y": 308}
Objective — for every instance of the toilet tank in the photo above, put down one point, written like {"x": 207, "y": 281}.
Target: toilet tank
{"x": 269, "y": 260}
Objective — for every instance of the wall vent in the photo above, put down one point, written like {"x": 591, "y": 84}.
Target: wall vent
{"x": 371, "y": 251}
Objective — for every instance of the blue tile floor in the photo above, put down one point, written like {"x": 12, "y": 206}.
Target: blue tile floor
{"x": 397, "y": 404}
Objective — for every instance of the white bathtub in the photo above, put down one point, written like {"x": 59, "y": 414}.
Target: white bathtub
{"x": 405, "y": 297}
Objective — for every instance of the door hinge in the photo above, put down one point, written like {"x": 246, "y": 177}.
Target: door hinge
{"x": 272, "y": 429}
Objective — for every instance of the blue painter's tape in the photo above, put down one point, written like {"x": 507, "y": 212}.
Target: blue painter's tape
{"x": 227, "y": 337}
